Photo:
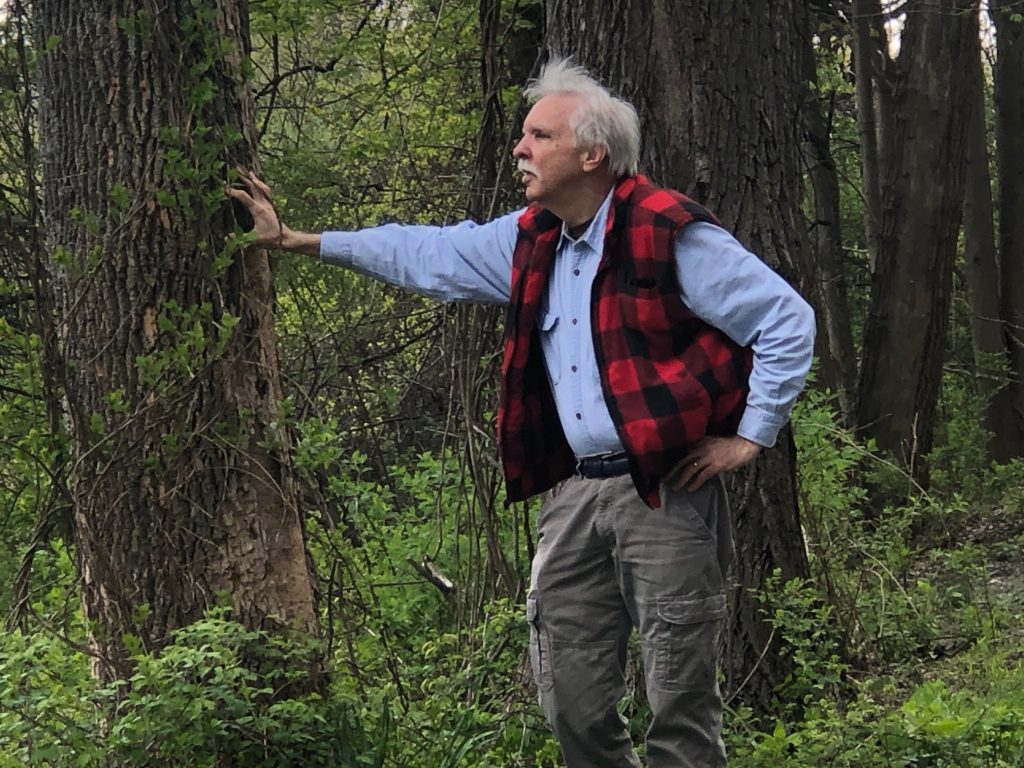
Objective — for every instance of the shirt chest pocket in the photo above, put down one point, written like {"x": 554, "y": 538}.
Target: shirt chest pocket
{"x": 547, "y": 323}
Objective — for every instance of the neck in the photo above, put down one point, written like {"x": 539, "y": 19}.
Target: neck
{"x": 575, "y": 232}
{"x": 585, "y": 201}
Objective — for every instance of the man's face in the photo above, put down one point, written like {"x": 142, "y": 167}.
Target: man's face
{"x": 550, "y": 162}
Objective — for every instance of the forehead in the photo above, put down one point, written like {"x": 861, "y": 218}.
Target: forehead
{"x": 552, "y": 112}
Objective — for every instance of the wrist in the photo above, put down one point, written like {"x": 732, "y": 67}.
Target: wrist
{"x": 748, "y": 446}
{"x": 300, "y": 242}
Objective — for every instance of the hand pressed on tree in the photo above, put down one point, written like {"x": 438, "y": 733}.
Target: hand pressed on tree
{"x": 268, "y": 230}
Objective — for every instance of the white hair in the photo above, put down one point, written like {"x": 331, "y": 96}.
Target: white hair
{"x": 601, "y": 120}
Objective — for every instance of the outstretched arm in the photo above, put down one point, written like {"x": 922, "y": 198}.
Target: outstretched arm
{"x": 459, "y": 262}
{"x": 268, "y": 229}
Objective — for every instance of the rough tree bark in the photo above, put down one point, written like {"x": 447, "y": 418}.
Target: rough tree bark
{"x": 922, "y": 199}
{"x": 981, "y": 273}
{"x": 728, "y": 137}
{"x": 1009, "y": 103}
{"x": 182, "y": 482}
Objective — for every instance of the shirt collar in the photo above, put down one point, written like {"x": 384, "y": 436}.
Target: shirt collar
{"x": 594, "y": 236}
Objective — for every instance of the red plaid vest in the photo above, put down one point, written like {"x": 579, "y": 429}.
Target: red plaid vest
{"x": 668, "y": 377}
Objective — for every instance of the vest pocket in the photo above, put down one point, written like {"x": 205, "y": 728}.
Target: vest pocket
{"x": 546, "y": 323}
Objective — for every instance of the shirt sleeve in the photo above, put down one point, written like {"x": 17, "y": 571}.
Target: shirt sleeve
{"x": 730, "y": 288}
{"x": 462, "y": 262}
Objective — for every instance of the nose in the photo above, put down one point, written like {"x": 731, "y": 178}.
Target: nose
{"x": 521, "y": 150}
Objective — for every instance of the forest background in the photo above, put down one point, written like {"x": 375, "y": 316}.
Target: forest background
{"x": 250, "y": 507}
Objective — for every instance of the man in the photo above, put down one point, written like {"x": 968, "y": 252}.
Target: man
{"x": 646, "y": 352}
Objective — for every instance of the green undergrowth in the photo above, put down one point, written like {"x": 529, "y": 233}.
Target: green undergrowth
{"x": 961, "y": 714}
{"x": 906, "y": 640}
{"x": 200, "y": 703}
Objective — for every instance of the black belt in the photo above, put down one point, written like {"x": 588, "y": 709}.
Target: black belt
{"x": 609, "y": 465}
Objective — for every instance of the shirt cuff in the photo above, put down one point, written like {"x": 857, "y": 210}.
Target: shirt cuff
{"x": 760, "y": 427}
{"x": 336, "y": 248}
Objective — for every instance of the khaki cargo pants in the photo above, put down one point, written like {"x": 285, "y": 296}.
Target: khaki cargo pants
{"x": 605, "y": 563}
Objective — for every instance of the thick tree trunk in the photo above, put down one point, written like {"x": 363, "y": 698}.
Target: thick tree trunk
{"x": 728, "y": 137}
{"x": 922, "y": 195}
{"x": 1009, "y": 102}
{"x": 182, "y": 481}
{"x": 834, "y": 343}
{"x": 981, "y": 271}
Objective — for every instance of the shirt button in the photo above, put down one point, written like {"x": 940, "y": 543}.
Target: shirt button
{"x": 579, "y": 416}
{"x": 576, "y": 272}
{"x": 574, "y": 369}
{"x": 574, "y": 321}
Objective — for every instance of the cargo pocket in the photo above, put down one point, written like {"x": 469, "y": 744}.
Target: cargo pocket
{"x": 540, "y": 646}
{"x": 686, "y": 642}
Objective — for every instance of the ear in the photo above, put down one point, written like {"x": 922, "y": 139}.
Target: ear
{"x": 593, "y": 157}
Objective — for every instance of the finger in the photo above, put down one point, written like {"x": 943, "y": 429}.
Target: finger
{"x": 243, "y": 178}
{"x": 676, "y": 472}
{"x": 686, "y": 470}
{"x": 241, "y": 196}
{"x": 699, "y": 478}
{"x": 260, "y": 185}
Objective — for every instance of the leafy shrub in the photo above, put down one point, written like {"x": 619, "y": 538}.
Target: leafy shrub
{"x": 199, "y": 702}
{"x": 981, "y": 725}
{"x": 959, "y": 463}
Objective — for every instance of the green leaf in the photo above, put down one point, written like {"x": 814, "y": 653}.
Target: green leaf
{"x": 166, "y": 199}
{"x": 119, "y": 196}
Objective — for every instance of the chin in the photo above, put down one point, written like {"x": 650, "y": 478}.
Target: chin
{"x": 533, "y": 195}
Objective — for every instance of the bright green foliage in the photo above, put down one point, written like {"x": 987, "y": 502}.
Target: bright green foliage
{"x": 47, "y": 714}
{"x": 442, "y": 694}
{"x": 890, "y": 592}
{"x": 959, "y": 464}
{"x": 811, "y": 636}
{"x": 978, "y": 725}
{"x": 408, "y": 688}
{"x": 28, "y": 452}
{"x": 197, "y": 702}
{"x": 459, "y": 699}
{"x": 884, "y": 607}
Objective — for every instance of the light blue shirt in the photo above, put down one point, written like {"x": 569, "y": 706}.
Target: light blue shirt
{"x": 720, "y": 282}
